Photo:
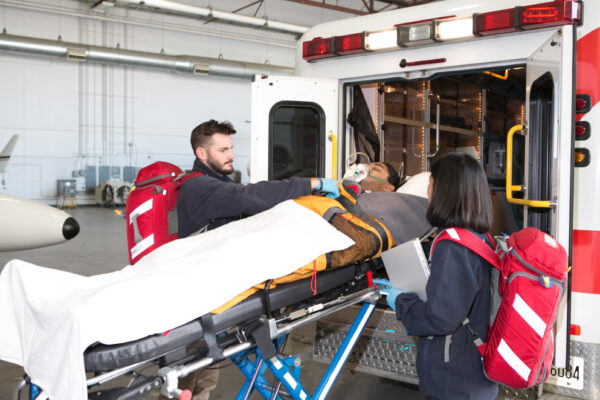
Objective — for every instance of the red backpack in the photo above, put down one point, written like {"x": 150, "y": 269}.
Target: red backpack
{"x": 527, "y": 284}
{"x": 150, "y": 211}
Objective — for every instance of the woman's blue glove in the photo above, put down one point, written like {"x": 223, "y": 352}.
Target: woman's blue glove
{"x": 329, "y": 187}
{"x": 385, "y": 287}
{"x": 382, "y": 283}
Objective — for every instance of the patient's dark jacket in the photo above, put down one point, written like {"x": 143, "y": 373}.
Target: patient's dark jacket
{"x": 211, "y": 200}
{"x": 449, "y": 365}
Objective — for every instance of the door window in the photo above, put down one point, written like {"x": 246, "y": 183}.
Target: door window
{"x": 297, "y": 132}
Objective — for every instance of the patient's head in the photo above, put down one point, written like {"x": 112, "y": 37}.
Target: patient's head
{"x": 382, "y": 177}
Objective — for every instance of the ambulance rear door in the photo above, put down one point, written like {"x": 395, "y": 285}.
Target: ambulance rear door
{"x": 293, "y": 128}
{"x": 548, "y": 173}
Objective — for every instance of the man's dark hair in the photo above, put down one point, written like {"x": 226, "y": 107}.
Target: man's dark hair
{"x": 460, "y": 196}
{"x": 202, "y": 133}
{"x": 393, "y": 177}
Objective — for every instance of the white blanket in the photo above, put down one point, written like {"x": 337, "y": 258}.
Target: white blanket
{"x": 50, "y": 317}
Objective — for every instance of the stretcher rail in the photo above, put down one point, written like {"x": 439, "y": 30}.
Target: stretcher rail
{"x": 236, "y": 332}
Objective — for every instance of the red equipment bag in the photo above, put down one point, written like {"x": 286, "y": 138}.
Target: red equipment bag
{"x": 150, "y": 210}
{"x": 526, "y": 291}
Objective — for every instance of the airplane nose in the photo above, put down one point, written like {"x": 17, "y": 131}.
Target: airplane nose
{"x": 70, "y": 228}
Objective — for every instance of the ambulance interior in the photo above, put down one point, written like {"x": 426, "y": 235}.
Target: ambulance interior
{"x": 415, "y": 123}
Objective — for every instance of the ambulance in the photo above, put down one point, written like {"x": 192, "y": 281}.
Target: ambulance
{"x": 514, "y": 83}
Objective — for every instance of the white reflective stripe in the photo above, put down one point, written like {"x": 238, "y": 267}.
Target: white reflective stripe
{"x": 142, "y": 208}
{"x": 513, "y": 360}
{"x": 276, "y": 363}
{"x": 453, "y": 234}
{"x": 290, "y": 379}
{"x": 141, "y": 246}
{"x": 302, "y": 395}
{"x": 527, "y": 313}
{"x": 346, "y": 353}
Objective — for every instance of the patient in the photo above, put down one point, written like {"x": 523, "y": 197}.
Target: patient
{"x": 402, "y": 213}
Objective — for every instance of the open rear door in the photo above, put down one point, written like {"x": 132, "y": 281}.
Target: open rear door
{"x": 294, "y": 127}
{"x": 548, "y": 171}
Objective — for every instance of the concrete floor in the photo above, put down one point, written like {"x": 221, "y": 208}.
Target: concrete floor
{"x": 101, "y": 247}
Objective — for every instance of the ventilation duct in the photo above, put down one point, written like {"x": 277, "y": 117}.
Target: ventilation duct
{"x": 194, "y": 11}
{"x": 115, "y": 56}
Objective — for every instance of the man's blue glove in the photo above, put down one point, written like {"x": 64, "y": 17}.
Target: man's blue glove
{"x": 328, "y": 186}
{"x": 385, "y": 287}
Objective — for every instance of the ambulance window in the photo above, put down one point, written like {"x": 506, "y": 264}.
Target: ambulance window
{"x": 540, "y": 149}
{"x": 296, "y": 132}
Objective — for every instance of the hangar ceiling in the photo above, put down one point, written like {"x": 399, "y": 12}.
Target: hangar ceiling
{"x": 292, "y": 12}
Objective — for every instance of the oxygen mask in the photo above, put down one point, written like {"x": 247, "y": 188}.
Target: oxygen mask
{"x": 357, "y": 172}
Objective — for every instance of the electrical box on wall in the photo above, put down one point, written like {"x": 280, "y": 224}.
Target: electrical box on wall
{"x": 129, "y": 174}
{"x": 90, "y": 178}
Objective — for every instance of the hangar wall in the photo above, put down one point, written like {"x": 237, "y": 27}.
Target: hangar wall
{"x": 70, "y": 115}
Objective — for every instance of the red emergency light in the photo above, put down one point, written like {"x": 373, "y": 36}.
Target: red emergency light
{"x": 548, "y": 14}
{"x": 494, "y": 23}
{"x": 318, "y": 48}
{"x": 583, "y": 103}
{"x": 582, "y": 130}
{"x": 348, "y": 44}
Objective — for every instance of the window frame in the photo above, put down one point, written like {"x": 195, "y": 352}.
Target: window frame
{"x": 320, "y": 157}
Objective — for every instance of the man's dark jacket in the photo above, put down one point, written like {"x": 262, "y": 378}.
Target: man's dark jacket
{"x": 212, "y": 200}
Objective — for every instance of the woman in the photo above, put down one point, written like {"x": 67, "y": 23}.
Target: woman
{"x": 448, "y": 363}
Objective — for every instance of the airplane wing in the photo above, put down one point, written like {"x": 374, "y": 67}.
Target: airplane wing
{"x": 6, "y": 152}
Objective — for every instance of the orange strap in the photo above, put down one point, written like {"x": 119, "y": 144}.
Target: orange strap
{"x": 313, "y": 279}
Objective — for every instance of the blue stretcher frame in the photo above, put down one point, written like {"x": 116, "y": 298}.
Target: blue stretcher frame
{"x": 287, "y": 371}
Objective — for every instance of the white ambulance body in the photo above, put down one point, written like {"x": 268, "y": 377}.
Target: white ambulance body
{"x": 457, "y": 75}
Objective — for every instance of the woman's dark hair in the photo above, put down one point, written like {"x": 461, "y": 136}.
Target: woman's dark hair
{"x": 460, "y": 196}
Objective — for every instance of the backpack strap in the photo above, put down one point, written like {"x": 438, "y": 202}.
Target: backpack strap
{"x": 181, "y": 178}
{"x": 479, "y": 343}
{"x": 471, "y": 242}
{"x": 482, "y": 249}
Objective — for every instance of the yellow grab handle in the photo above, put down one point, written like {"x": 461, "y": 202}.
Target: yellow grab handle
{"x": 510, "y": 188}
{"x": 333, "y": 155}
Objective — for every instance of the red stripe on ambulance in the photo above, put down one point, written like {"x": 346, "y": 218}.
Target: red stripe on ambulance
{"x": 585, "y": 276}
{"x": 588, "y": 60}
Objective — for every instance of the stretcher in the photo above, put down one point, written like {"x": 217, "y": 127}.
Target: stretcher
{"x": 249, "y": 334}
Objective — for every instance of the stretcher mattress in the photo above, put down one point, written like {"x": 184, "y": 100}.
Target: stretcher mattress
{"x": 99, "y": 358}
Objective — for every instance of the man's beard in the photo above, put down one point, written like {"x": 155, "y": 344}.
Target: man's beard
{"x": 220, "y": 170}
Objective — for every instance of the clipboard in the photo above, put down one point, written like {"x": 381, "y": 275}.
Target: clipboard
{"x": 407, "y": 267}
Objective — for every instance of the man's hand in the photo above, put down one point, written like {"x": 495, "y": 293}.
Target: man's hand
{"x": 327, "y": 186}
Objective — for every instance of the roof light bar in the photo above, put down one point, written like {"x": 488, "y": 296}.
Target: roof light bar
{"x": 442, "y": 29}
{"x": 453, "y": 29}
{"x": 418, "y": 34}
{"x": 379, "y": 40}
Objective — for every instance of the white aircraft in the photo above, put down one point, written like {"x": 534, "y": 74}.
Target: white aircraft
{"x": 26, "y": 224}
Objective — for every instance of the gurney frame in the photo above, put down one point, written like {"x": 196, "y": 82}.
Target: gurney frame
{"x": 280, "y": 367}
{"x": 286, "y": 370}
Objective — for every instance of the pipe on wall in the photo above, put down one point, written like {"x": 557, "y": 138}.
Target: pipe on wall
{"x": 194, "y": 11}
{"x": 115, "y": 56}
